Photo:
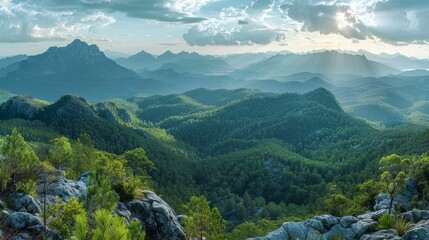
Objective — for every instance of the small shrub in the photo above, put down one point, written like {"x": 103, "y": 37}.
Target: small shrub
{"x": 386, "y": 221}
{"x": 27, "y": 187}
{"x": 127, "y": 190}
{"x": 64, "y": 215}
{"x": 401, "y": 226}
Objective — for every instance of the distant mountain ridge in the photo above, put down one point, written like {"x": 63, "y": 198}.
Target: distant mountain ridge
{"x": 139, "y": 61}
{"x": 77, "y": 68}
{"x": 328, "y": 62}
{"x": 4, "y": 62}
{"x": 290, "y": 86}
{"x": 182, "y": 62}
{"x": 398, "y": 61}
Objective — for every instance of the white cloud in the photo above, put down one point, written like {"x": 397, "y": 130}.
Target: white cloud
{"x": 246, "y": 25}
{"x": 187, "y": 6}
{"x": 239, "y": 34}
{"x": 25, "y": 22}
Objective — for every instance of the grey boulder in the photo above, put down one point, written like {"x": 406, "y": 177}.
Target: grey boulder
{"x": 22, "y": 203}
{"x": 21, "y": 221}
{"x": 419, "y": 231}
{"x": 381, "y": 235}
{"x": 64, "y": 189}
{"x": 21, "y": 236}
{"x": 159, "y": 219}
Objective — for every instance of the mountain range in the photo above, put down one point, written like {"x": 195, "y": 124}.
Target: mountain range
{"x": 183, "y": 62}
{"x": 372, "y": 90}
{"x": 397, "y": 61}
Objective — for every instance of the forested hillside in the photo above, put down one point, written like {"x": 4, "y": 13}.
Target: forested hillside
{"x": 254, "y": 155}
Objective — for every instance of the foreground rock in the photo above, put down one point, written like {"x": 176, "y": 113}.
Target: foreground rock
{"x": 21, "y": 213}
{"x": 362, "y": 227}
{"x": 63, "y": 189}
{"x": 20, "y": 221}
{"x": 157, "y": 217}
{"x": 20, "y": 202}
{"x": 324, "y": 227}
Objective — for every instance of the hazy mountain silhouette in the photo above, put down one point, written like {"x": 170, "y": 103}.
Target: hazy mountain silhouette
{"x": 78, "y": 68}
{"x": 180, "y": 62}
{"x": 328, "y": 62}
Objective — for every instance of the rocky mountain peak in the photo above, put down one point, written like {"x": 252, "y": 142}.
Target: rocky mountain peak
{"x": 74, "y": 54}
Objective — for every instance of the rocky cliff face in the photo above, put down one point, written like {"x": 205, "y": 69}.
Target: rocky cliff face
{"x": 21, "y": 213}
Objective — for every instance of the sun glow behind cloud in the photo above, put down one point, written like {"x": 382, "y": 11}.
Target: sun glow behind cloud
{"x": 342, "y": 20}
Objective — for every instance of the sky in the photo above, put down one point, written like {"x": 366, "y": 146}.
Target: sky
{"x": 217, "y": 27}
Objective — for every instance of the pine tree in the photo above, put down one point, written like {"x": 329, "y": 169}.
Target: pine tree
{"x": 138, "y": 162}
{"x": 101, "y": 195}
{"x": 60, "y": 152}
{"x": 201, "y": 221}
{"x": 135, "y": 231}
{"x": 19, "y": 163}
{"x": 82, "y": 156}
{"x": 394, "y": 173}
{"x": 81, "y": 227}
{"x": 109, "y": 227}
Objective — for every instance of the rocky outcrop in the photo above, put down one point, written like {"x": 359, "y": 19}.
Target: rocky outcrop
{"x": 20, "y": 202}
{"x": 419, "y": 232}
{"x": 381, "y": 235}
{"x": 325, "y": 227}
{"x": 63, "y": 189}
{"x": 157, "y": 217}
{"x": 362, "y": 227}
{"x": 21, "y": 213}
{"x": 27, "y": 221}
